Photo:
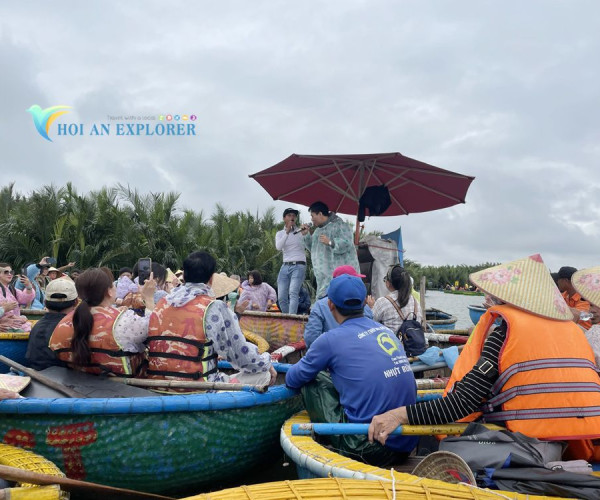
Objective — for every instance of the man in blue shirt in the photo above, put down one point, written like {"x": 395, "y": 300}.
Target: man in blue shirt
{"x": 369, "y": 370}
{"x": 321, "y": 320}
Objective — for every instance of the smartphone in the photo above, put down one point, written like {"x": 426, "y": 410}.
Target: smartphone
{"x": 144, "y": 268}
{"x": 51, "y": 261}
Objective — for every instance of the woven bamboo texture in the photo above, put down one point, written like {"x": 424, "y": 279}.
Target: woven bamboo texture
{"x": 276, "y": 328}
{"x": 261, "y": 343}
{"x": 25, "y": 460}
{"x": 322, "y": 462}
{"x": 351, "y": 489}
{"x": 13, "y": 345}
{"x": 152, "y": 443}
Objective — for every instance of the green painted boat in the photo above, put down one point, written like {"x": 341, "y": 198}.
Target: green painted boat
{"x": 463, "y": 292}
{"x": 155, "y": 443}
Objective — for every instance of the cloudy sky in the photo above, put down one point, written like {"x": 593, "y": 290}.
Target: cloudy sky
{"x": 507, "y": 92}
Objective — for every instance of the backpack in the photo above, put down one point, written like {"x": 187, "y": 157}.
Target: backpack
{"x": 410, "y": 332}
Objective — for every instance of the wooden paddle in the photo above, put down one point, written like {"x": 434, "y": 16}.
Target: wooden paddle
{"x": 35, "y": 375}
{"x": 24, "y": 476}
{"x": 188, "y": 384}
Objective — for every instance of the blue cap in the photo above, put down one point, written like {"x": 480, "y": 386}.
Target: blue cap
{"x": 347, "y": 292}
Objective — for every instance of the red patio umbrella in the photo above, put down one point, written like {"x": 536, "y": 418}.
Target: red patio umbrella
{"x": 340, "y": 181}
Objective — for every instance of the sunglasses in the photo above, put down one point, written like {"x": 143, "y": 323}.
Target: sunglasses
{"x": 7, "y": 271}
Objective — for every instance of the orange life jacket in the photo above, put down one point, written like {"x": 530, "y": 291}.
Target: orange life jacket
{"x": 177, "y": 345}
{"x": 107, "y": 356}
{"x": 547, "y": 384}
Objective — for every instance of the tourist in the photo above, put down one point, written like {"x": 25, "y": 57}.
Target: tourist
{"x": 124, "y": 283}
{"x": 11, "y": 298}
{"x": 293, "y": 270}
{"x": 190, "y": 321}
{"x": 259, "y": 295}
{"x": 536, "y": 344}
{"x": 400, "y": 303}
{"x": 321, "y": 319}
{"x": 99, "y": 338}
{"x": 330, "y": 245}
{"x": 368, "y": 373}
{"x": 587, "y": 283}
{"x": 61, "y": 299}
{"x": 579, "y": 307}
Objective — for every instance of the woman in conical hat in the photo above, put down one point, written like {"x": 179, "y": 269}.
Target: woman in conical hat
{"x": 536, "y": 344}
{"x": 587, "y": 284}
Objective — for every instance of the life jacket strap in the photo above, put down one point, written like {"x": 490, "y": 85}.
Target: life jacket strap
{"x": 542, "y": 413}
{"x": 539, "y": 364}
{"x": 525, "y": 390}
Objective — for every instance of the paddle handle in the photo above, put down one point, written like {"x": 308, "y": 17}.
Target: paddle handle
{"x": 25, "y": 476}
{"x": 362, "y": 429}
{"x": 35, "y": 375}
{"x": 188, "y": 384}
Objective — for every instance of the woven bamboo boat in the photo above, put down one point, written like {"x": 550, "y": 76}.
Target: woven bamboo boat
{"x": 463, "y": 292}
{"x": 153, "y": 443}
{"x": 13, "y": 345}
{"x": 336, "y": 488}
{"x": 28, "y": 461}
{"x": 313, "y": 460}
{"x": 276, "y": 328}
{"x": 440, "y": 320}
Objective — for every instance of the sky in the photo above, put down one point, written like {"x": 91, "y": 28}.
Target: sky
{"x": 507, "y": 92}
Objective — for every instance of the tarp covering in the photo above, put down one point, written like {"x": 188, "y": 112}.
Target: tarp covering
{"x": 385, "y": 254}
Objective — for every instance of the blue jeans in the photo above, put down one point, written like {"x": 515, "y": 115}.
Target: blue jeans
{"x": 289, "y": 281}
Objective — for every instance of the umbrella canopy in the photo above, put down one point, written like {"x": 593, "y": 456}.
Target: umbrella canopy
{"x": 340, "y": 180}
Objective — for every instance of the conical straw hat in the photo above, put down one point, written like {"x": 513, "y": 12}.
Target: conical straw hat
{"x": 445, "y": 466}
{"x": 587, "y": 284}
{"x": 526, "y": 284}
{"x": 222, "y": 285}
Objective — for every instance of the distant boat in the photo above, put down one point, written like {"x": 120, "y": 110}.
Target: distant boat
{"x": 440, "y": 320}
{"x": 463, "y": 292}
{"x": 475, "y": 312}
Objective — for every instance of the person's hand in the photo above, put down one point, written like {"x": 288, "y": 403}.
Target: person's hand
{"x": 9, "y": 306}
{"x": 6, "y": 394}
{"x": 324, "y": 239}
{"x": 304, "y": 229}
{"x": 240, "y": 307}
{"x": 148, "y": 290}
{"x": 370, "y": 301}
{"x": 382, "y": 425}
{"x": 25, "y": 280}
{"x": 269, "y": 303}
{"x": 70, "y": 264}
{"x": 289, "y": 225}
{"x": 273, "y": 375}
{"x": 255, "y": 306}
{"x": 44, "y": 261}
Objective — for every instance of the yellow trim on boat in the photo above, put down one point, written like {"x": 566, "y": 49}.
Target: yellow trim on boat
{"x": 331, "y": 463}
{"x": 14, "y": 335}
{"x": 255, "y": 338}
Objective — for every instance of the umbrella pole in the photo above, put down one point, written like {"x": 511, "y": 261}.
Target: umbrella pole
{"x": 422, "y": 291}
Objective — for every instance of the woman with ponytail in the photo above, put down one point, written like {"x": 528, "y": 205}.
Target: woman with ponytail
{"x": 99, "y": 338}
{"x": 395, "y": 307}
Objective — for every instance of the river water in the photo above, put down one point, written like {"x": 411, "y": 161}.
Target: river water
{"x": 454, "y": 304}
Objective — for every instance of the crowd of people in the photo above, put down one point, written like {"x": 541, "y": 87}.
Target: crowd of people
{"x": 525, "y": 365}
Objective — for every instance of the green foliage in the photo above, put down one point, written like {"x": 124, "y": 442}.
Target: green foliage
{"x": 440, "y": 276}
{"x": 115, "y": 226}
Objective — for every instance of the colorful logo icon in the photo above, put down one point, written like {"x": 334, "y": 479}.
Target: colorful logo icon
{"x": 43, "y": 118}
{"x": 169, "y": 118}
{"x": 193, "y": 117}
{"x": 185, "y": 117}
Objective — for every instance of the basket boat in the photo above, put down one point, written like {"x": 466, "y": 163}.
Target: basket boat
{"x": 13, "y": 345}
{"x": 336, "y": 488}
{"x": 276, "y": 328}
{"x": 155, "y": 443}
{"x": 463, "y": 292}
{"x": 440, "y": 320}
{"x": 28, "y": 461}
{"x": 313, "y": 461}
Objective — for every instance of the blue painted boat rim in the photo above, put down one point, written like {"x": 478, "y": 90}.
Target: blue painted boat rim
{"x": 183, "y": 403}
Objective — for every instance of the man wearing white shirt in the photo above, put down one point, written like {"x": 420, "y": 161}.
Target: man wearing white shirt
{"x": 292, "y": 272}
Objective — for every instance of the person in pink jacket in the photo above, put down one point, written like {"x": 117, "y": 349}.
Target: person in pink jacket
{"x": 259, "y": 295}
{"x": 11, "y": 299}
